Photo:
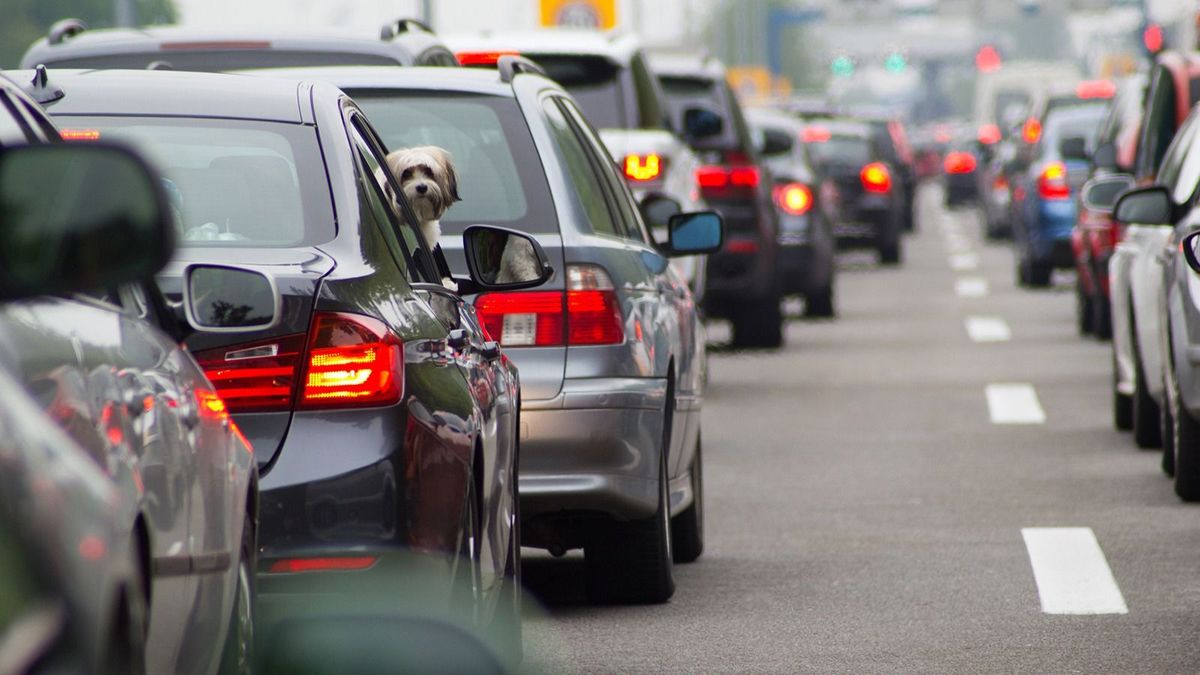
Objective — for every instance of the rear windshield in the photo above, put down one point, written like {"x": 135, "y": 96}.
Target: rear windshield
{"x": 594, "y": 82}
{"x": 841, "y": 150}
{"x": 686, "y": 92}
{"x": 500, "y": 176}
{"x": 214, "y": 61}
{"x": 1081, "y": 121}
{"x": 230, "y": 182}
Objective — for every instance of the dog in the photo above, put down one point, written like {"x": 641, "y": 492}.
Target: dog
{"x": 429, "y": 181}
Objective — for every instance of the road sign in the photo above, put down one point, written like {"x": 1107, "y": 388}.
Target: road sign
{"x": 600, "y": 14}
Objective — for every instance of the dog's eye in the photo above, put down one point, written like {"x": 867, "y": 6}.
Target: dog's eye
{"x": 406, "y": 174}
{"x": 426, "y": 170}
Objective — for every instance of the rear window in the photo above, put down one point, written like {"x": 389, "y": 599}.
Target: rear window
{"x": 500, "y": 177}
{"x": 230, "y": 182}
{"x": 841, "y": 150}
{"x": 595, "y": 83}
{"x": 213, "y": 61}
{"x": 1081, "y": 121}
{"x": 685, "y": 92}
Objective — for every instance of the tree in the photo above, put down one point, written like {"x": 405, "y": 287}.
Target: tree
{"x": 28, "y": 20}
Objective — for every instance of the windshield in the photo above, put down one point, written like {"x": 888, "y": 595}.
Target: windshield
{"x": 499, "y": 171}
{"x": 231, "y": 182}
{"x": 841, "y": 150}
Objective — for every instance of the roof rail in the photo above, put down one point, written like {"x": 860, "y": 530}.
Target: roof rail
{"x": 41, "y": 89}
{"x": 402, "y": 25}
{"x": 510, "y": 66}
{"x": 64, "y": 29}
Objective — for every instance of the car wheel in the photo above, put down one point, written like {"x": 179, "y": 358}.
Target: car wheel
{"x": 759, "y": 324}
{"x": 507, "y": 625}
{"x": 1146, "y": 431}
{"x": 1187, "y": 449}
{"x": 1167, "y": 426}
{"x": 238, "y": 654}
{"x": 1039, "y": 273}
{"x": 468, "y": 579}
{"x": 890, "y": 252}
{"x": 630, "y": 562}
{"x": 1102, "y": 317}
{"x": 687, "y": 529}
{"x": 1083, "y": 311}
{"x": 819, "y": 304}
{"x": 125, "y": 650}
{"x": 1122, "y": 403}
{"x": 1022, "y": 272}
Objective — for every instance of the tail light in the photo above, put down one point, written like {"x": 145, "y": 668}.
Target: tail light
{"x": 1000, "y": 183}
{"x": 643, "y": 167}
{"x": 794, "y": 199}
{"x": 959, "y": 163}
{"x": 716, "y": 180}
{"x": 483, "y": 58}
{"x": 338, "y": 564}
{"x": 349, "y": 360}
{"x": 989, "y": 134}
{"x": 1095, "y": 89}
{"x": 1031, "y": 131}
{"x": 876, "y": 178}
{"x": 587, "y": 313}
{"x": 815, "y": 135}
{"x": 1052, "y": 183}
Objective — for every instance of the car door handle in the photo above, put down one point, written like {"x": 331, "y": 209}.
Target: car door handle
{"x": 457, "y": 339}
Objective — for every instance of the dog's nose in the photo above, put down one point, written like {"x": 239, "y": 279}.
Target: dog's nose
{"x": 422, "y": 189}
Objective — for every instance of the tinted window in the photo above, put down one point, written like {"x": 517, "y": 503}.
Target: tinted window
{"x": 686, "y": 92}
{"x": 492, "y": 149}
{"x": 1076, "y": 121}
{"x": 845, "y": 150}
{"x": 222, "y": 60}
{"x": 1181, "y": 166}
{"x": 594, "y": 81}
{"x": 650, "y": 103}
{"x": 1159, "y": 125}
{"x": 587, "y": 190}
{"x": 232, "y": 182}
{"x": 618, "y": 189}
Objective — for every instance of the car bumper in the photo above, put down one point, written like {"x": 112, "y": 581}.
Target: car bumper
{"x": 865, "y": 226}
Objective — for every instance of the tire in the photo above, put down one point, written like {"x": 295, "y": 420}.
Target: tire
{"x": 125, "y": 649}
{"x": 1083, "y": 311}
{"x": 507, "y": 625}
{"x": 1102, "y": 317}
{"x": 890, "y": 252}
{"x": 687, "y": 528}
{"x": 468, "y": 575}
{"x": 1022, "y": 273}
{"x": 759, "y": 324}
{"x": 819, "y": 304}
{"x": 630, "y": 562}
{"x": 1039, "y": 274}
{"x": 1146, "y": 430}
{"x": 237, "y": 656}
{"x": 1187, "y": 449}
{"x": 1167, "y": 424}
{"x": 1122, "y": 403}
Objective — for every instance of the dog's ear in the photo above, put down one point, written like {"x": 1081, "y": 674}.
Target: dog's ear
{"x": 444, "y": 158}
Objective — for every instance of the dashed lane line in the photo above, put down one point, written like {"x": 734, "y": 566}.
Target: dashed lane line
{"x": 971, "y": 287}
{"x": 964, "y": 262}
{"x": 1072, "y": 574}
{"x": 988, "y": 329}
{"x": 1014, "y": 403}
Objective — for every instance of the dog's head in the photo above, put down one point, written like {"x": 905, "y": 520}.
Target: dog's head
{"x": 426, "y": 175}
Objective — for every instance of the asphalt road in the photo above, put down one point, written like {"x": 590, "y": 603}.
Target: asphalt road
{"x": 866, "y": 514}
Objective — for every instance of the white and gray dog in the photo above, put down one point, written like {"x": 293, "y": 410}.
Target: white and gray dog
{"x": 427, "y": 177}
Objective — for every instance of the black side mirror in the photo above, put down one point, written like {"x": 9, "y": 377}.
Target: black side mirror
{"x": 1101, "y": 193}
{"x": 1149, "y": 206}
{"x": 1074, "y": 147}
{"x": 657, "y": 209}
{"x": 222, "y": 299}
{"x": 701, "y": 123}
{"x": 776, "y": 142}
{"x": 1189, "y": 245}
{"x": 694, "y": 233}
{"x": 79, "y": 217}
{"x": 1105, "y": 156}
{"x": 500, "y": 259}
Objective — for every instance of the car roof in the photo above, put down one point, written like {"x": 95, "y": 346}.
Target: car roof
{"x": 617, "y": 46}
{"x": 473, "y": 80}
{"x": 142, "y": 40}
{"x": 177, "y": 93}
{"x": 693, "y": 65}
{"x": 773, "y": 117}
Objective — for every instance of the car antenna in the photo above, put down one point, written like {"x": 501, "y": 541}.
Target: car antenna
{"x": 41, "y": 89}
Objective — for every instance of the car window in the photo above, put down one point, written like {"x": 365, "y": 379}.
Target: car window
{"x": 1159, "y": 125}
{"x": 1079, "y": 121}
{"x": 595, "y": 83}
{"x": 651, "y": 104}
{"x": 12, "y": 127}
{"x": 585, "y": 184}
{"x": 1181, "y": 165}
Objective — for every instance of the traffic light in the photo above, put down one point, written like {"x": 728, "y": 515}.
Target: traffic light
{"x": 895, "y": 63}
{"x": 842, "y": 66}
{"x": 987, "y": 59}
{"x": 1152, "y": 38}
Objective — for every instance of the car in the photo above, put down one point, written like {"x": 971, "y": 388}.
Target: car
{"x": 1050, "y": 168}
{"x": 743, "y": 279}
{"x": 869, "y": 209}
{"x": 100, "y": 352}
{"x": 1096, "y": 234}
{"x": 71, "y": 44}
{"x": 1135, "y": 271}
{"x": 611, "y": 351}
{"x": 960, "y": 165}
{"x": 892, "y": 140}
{"x": 806, "y": 243}
{"x": 609, "y": 76}
{"x": 414, "y": 450}
{"x": 1003, "y": 97}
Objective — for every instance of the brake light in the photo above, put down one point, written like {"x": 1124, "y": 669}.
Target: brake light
{"x": 1000, "y": 183}
{"x": 353, "y": 360}
{"x": 815, "y": 135}
{"x": 257, "y": 376}
{"x": 331, "y": 564}
{"x": 587, "y": 313}
{"x": 1095, "y": 89}
{"x": 1031, "y": 132}
{"x": 794, "y": 198}
{"x": 643, "y": 167}
{"x": 876, "y": 178}
{"x": 714, "y": 177}
{"x": 989, "y": 134}
{"x": 483, "y": 58}
{"x": 80, "y": 134}
{"x": 959, "y": 162}
{"x": 1052, "y": 183}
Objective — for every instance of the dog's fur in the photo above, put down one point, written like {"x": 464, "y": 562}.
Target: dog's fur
{"x": 430, "y": 184}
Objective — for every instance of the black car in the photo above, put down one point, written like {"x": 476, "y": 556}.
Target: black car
{"x": 743, "y": 278}
{"x": 870, "y": 206}
{"x": 806, "y": 243}
{"x": 892, "y": 141}
{"x": 70, "y": 44}
{"x": 384, "y": 418}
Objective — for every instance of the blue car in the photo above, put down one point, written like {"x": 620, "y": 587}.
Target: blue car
{"x": 1053, "y": 166}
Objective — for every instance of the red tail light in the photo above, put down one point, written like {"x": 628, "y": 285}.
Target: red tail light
{"x": 1052, "y": 183}
{"x": 257, "y": 376}
{"x": 588, "y": 313}
{"x": 483, "y": 58}
{"x": 723, "y": 181}
{"x": 333, "y": 564}
{"x": 959, "y": 162}
{"x": 744, "y": 176}
{"x": 989, "y": 134}
{"x": 815, "y": 135}
{"x": 794, "y": 198}
{"x": 876, "y": 178}
{"x": 1031, "y": 132}
{"x": 1000, "y": 183}
{"x": 1095, "y": 89}
{"x": 80, "y": 134}
{"x": 643, "y": 167}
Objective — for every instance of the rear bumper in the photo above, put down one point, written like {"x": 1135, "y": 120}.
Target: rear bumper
{"x": 867, "y": 225}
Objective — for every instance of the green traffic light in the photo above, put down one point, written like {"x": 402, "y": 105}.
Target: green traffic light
{"x": 895, "y": 63}
{"x": 842, "y": 66}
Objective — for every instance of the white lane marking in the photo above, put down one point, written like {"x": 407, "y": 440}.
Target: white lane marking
{"x": 964, "y": 262}
{"x": 988, "y": 329}
{"x": 1072, "y": 574}
{"x": 971, "y": 287}
{"x": 1014, "y": 403}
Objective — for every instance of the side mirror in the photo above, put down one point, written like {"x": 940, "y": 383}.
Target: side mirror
{"x": 79, "y": 217}
{"x": 695, "y": 233}
{"x": 1101, "y": 192}
{"x": 1105, "y": 156}
{"x": 1074, "y": 147}
{"x": 221, "y": 299}
{"x": 701, "y": 123}
{"x": 1149, "y": 206}
{"x": 658, "y": 208}
{"x": 1189, "y": 245}
{"x": 500, "y": 259}
{"x": 776, "y": 142}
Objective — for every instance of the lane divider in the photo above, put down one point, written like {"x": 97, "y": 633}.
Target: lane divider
{"x": 988, "y": 329}
{"x": 1014, "y": 403}
{"x": 964, "y": 262}
{"x": 1071, "y": 572}
{"x": 971, "y": 287}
